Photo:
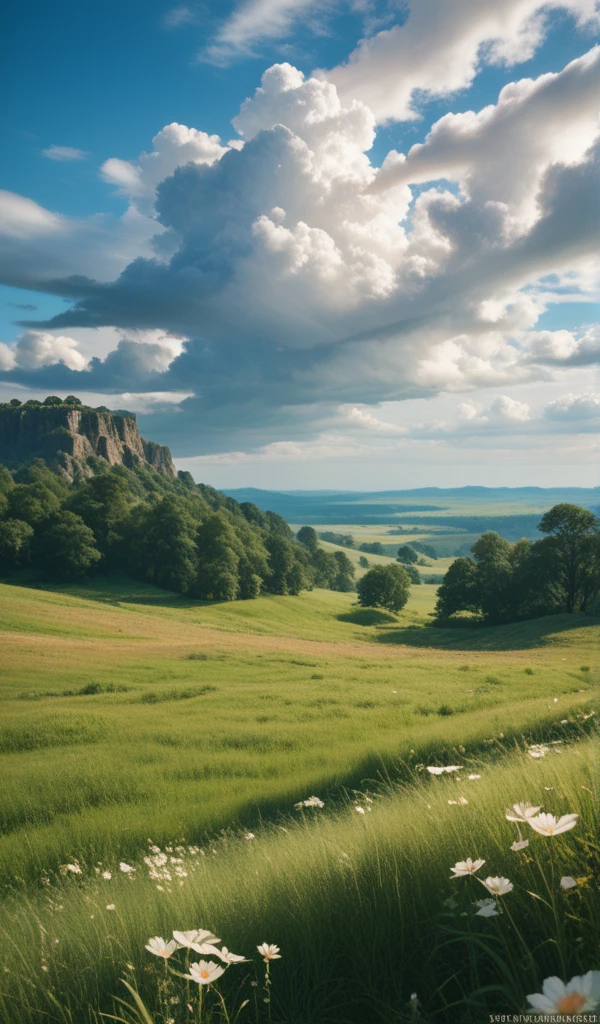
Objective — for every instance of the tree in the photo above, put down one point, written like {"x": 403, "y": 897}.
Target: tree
{"x": 363, "y": 562}
{"x": 15, "y": 539}
{"x": 160, "y": 544}
{"x": 325, "y": 568}
{"x": 407, "y": 555}
{"x": 376, "y": 548}
{"x": 572, "y": 531}
{"x": 458, "y": 592}
{"x": 343, "y": 579}
{"x": 308, "y": 537}
{"x": 413, "y": 573}
{"x": 103, "y": 504}
{"x": 281, "y": 565}
{"x": 494, "y": 573}
{"x": 66, "y": 548}
{"x": 384, "y": 586}
{"x": 32, "y": 503}
{"x": 218, "y": 561}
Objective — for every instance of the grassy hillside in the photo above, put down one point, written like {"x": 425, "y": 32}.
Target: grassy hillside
{"x": 130, "y": 714}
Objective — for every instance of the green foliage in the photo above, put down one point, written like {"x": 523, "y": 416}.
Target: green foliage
{"x": 413, "y": 573}
{"x": 345, "y": 540}
{"x": 407, "y": 555}
{"x": 506, "y": 582}
{"x": 308, "y": 537}
{"x": 384, "y": 586}
{"x": 65, "y": 547}
{"x": 376, "y": 548}
{"x": 15, "y": 541}
{"x": 363, "y": 562}
{"x": 424, "y": 549}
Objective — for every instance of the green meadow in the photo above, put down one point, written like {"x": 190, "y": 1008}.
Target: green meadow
{"x": 132, "y": 717}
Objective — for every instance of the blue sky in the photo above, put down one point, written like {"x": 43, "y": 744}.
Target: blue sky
{"x": 436, "y": 319}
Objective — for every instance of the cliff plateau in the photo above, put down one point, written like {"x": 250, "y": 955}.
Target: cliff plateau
{"x": 67, "y": 435}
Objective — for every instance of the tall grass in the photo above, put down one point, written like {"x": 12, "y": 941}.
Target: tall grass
{"x": 355, "y": 901}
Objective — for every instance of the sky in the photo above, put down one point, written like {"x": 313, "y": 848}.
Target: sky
{"x": 311, "y": 243}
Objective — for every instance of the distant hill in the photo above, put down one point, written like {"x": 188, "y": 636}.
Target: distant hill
{"x": 67, "y": 434}
{"x": 513, "y": 512}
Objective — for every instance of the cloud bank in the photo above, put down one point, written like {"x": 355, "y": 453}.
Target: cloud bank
{"x": 296, "y": 277}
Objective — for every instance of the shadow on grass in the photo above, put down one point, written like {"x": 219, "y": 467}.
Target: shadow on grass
{"x": 367, "y": 617}
{"x": 516, "y": 636}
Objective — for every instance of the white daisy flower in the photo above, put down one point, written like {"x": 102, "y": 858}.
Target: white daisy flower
{"x": 548, "y": 825}
{"x": 159, "y": 947}
{"x": 498, "y": 886}
{"x": 205, "y": 972}
{"x": 462, "y": 868}
{"x": 521, "y": 812}
{"x": 579, "y": 995}
{"x": 522, "y": 844}
{"x": 194, "y": 938}
{"x": 567, "y": 882}
{"x": 269, "y": 952}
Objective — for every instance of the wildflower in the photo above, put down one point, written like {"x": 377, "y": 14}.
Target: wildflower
{"x": 471, "y": 777}
{"x": 556, "y": 700}
{"x": 107, "y": 875}
{"x": 110, "y": 906}
{"x": 224, "y": 954}
{"x": 521, "y": 812}
{"x": 269, "y": 952}
{"x": 249, "y": 836}
{"x": 487, "y": 908}
{"x": 498, "y": 886}
{"x": 564, "y": 721}
{"x": 194, "y": 938}
{"x": 440, "y": 771}
{"x": 548, "y": 825}
{"x": 74, "y": 869}
{"x": 538, "y": 750}
{"x": 466, "y": 867}
{"x": 312, "y": 801}
{"x": 205, "y": 972}
{"x": 159, "y": 947}
{"x": 126, "y": 868}
{"x": 359, "y": 810}
{"x": 567, "y": 882}
{"x": 521, "y": 845}
{"x": 580, "y": 994}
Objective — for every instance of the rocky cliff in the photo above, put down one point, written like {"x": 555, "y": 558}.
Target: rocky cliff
{"x": 67, "y": 434}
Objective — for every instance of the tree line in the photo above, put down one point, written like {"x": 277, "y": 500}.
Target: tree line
{"x": 170, "y": 532}
{"x": 508, "y": 582}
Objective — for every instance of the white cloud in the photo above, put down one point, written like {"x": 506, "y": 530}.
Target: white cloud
{"x": 299, "y": 287}
{"x": 64, "y": 153}
{"x": 23, "y": 218}
{"x": 363, "y": 418}
{"x": 34, "y": 349}
{"x": 440, "y": 48}
{"x": 174, "y": 146}
{"x": 552, "y": 119}
{"x": 254, "y": 20}
{"x": 575, "y": 408}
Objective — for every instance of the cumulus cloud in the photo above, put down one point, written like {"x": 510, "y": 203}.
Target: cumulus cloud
{"x": 64, "y": 153}
{"x": 174, "y": 146}
{"x": 300, "y": 288}
{"x": 576, "y": 409}
{"x": 552, "y": 119}
{"x": 440, "y": 48}
{"x": 34, "y": 349}
{"x": 363, "y": 418}
{"x": 42, "y": 356}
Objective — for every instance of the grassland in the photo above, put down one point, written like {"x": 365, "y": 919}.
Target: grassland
{"x": 129, "y": 714}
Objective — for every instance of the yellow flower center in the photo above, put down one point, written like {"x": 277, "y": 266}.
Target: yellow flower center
{"x": 204, "y": 974}
{"x": 571, "y": 1003}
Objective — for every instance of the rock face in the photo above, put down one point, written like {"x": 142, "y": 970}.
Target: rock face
{"x": 66, "y": 436}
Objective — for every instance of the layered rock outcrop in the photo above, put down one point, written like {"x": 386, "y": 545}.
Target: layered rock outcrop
{"x": 66, "y": 436}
